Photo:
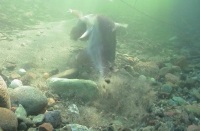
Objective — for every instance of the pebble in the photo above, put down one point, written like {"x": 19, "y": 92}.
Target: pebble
{"x": 38, "y": 119}
{"x": 20, "y": 112}
{"x": 8, "y": 120}
{"x": 31, "y": 98}
{"x": 51, "y": 101}
{"x": 45, "y": 127}
{"x": 166, "y": 89}
{"x": 21, "y": 72}
{"x": 142, "y": 78}
{"x": 15, "y": 83}
{"x": 53, "y": 117}
{"x": 22, "y": 126}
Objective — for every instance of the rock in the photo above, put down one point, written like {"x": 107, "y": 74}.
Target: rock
{"x": 31, "y": 98}
{"x": 21, "y": 72}
{"x": 166, "y": 89}
{"x": 195, "y": 93}
{"x": 172, "y": 78}
{"x": 38, "y": 119}
{"x": 45, "y": 127}
{"x": 142, "y": 78}
{"x": 27, "y": 121}
{"x": 176, "y": 69}
{"x": 195, "y": 109}
{"x": 22, "y": 126}
{"x": 85, "y": 90}
{"x": 10, "y": 66}
{"x": 193, "y": 128}
{"x": 46, "y": 75}
{"x": 28, "y": 77}
{"x": 15, "y": 83}
{"x": 51, "y": 101}
{"x": 179, "y": 100}
{"x": 130, "y": 70}
{"x": 20, "y": 112}
{"x": 147, "y": 68}
{"x": 182, "y": 62}
{"x": 76, "y": 127}
{"x": 4, "y": 96}
{"x": 8, "y": 120}
{"x": 73, "y": 109}
{"x": 163, "y": 71}
{"x": 152, "y": 81}
{"x": 14, "y": 76}
{"x": 53, "y": 117}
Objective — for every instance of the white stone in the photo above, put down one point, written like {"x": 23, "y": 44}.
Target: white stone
{"x": 15, "y": 83}
{"x": 21, "y": 71}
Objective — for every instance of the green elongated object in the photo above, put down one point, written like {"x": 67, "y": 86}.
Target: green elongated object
{"x": 84, "y": 90}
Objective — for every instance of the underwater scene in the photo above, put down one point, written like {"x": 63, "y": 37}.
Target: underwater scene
{"x": 99, "y": 65}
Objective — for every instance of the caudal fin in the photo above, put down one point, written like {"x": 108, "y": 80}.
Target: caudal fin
{"x": 75, "y": 13}
{"x": 117, "y": 25}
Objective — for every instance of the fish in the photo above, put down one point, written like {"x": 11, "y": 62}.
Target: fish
{"x": 100, "y": 33}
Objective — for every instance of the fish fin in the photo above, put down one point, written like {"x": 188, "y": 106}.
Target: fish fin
{"x": 85, "y": 34}
{"x": 117, "y": 25}
{"x": 75, "y": 13}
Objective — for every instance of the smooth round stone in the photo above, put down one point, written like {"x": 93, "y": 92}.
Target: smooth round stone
{"x": 8, "y": 120}
{"x": 15, "y": 83}
{"x": 142, "y": 78}
{"x": 32, "y": 99}
{"x": 21, "y": 71}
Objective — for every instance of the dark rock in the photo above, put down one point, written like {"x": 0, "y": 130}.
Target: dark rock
{"x": 10, "y": 66}
{"x": 166, "y": 89}
{"x": 22, "y": 126}
{"x": 53, "y": 117}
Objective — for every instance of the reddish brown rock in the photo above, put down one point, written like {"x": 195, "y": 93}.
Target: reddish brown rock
{"x": 4, "y": 96}
{"x": 8, "y": 121}
{"x": 46, "y": 127}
